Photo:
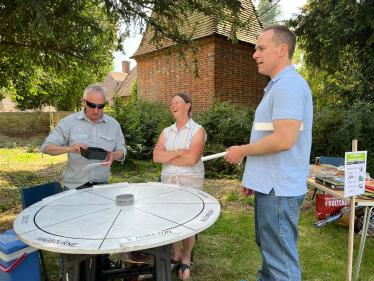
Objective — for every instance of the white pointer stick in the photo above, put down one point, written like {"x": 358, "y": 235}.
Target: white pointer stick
{"x": 214, "y": 156}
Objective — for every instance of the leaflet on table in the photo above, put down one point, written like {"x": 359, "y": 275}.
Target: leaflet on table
{"x": 355, "y": 173}
{"x": 94, "y": 165}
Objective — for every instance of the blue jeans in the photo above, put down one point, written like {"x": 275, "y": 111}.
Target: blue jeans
{"x": 276, "y": 220}
{"x": 103, "y": 257}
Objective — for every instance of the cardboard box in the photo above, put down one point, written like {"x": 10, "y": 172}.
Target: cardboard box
{"x": 324, "y": 167}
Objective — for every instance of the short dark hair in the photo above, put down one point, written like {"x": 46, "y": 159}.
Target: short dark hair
{"x": 283, "y": 35}
{"x": 187, "y": 99}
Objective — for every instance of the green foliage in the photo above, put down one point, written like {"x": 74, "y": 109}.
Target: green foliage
{"x": 142, "y": 122}
{"x": 318, "y": 81}
{"x": 269, "y": 12}
{"x": 226, "y": 125}
{"x": 51, "y": 50}
{"x": 134, "y": 171}
{"x": 337, "y": 37}
{"x": 31, "y": 149}
{"x": 250, "y": 200}
{"x": 232, "y": 195}
{"x": 134, "y": 90}
{"x": 334, "y": 128}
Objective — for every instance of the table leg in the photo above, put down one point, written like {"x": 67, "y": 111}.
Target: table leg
{"x": 72, "y": 266}
{"x": 162, "y": 262}
{"x": 135, "y": 277}
{"x": 351, "y": 237}
{"x": 364, "y": 231}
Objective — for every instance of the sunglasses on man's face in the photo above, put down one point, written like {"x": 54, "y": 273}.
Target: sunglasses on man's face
{"x": 94, "y": 105}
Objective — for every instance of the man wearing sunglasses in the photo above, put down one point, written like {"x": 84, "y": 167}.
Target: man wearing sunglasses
{"x": 87, "y": 128}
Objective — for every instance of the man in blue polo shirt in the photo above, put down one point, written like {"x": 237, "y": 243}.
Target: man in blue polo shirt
{"x": 278, "y": 155}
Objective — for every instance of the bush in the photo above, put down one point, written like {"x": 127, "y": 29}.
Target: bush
{"x": 226, "y": 125}
{"x": 141, "y": 122}
{"x": 335, "y": 127}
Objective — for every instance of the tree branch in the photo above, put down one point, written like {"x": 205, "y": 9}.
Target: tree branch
{"x": 269, "y": 8}
{"x": 41, "y": 47}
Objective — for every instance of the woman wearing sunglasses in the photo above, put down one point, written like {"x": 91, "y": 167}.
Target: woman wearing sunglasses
{"x": 179, "y": 149}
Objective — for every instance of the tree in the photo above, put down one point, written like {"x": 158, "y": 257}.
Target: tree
{"x": 44, "y": 43}
{"x": 269, "y": 12}
{"x": 45, "y": 40}
{"x": 337, "y": 37}
{"x": 134, "y": 90}
{"x": 64, "y": 90}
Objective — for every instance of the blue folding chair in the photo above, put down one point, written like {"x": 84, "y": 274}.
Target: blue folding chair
{"x": 33, "y": 194}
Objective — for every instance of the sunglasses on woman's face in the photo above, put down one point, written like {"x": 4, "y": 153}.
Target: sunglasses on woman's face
{"x": 94, "y": 105}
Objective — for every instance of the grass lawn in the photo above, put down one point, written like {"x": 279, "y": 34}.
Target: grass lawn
{"x": 225, "y": 251}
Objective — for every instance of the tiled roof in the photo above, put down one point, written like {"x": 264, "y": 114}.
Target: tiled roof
{"x": 125, "y": 88}
{"x": 207, "y": 27}
{"x": 118, "y": 76}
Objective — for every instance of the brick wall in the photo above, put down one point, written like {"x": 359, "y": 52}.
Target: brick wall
{"x": 236, "y": 74}
{"x": 227, "y": 71}
{"x": 26, "y": 124}
{"x": 159, "y": 79}
{"x": 58, "y": 115}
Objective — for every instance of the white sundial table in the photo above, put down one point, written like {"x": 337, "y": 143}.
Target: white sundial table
{"x": 88, "y": 221}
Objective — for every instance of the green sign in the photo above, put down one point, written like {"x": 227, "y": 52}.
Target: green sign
{"x": 356, "y": 157}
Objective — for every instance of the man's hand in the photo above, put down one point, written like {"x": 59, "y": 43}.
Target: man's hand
{"x": 234, "y": 154}
{"x": 109, "y": 158}
{"x": 247, "y": 192}
{"x": 77, "y": 148}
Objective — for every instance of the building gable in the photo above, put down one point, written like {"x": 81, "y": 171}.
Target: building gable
{"x": 228, "y": 71}
{"x": 125, "y": 88}
{"x": 207, "y": 26}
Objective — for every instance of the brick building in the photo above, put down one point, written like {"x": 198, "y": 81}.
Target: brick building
{"x": 124, "y": 91}
{"x": 114, "y": 80}
{"x": 228, "y": 71}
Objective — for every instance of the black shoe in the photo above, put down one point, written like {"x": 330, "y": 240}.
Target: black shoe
{"x": 108, "y": 264}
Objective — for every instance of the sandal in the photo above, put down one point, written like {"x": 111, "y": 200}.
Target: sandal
{"x": 183, "y": 268}
{"x": 174, "y": 264}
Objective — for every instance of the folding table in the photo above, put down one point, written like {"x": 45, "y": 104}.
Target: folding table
{"x": 368, "y": 204}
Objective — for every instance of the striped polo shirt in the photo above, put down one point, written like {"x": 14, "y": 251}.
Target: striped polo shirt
{"x": 182, "y": 140}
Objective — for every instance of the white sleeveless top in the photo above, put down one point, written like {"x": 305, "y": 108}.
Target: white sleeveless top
{"x": 189, "y": 175}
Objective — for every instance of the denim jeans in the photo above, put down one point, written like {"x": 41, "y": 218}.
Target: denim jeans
{"x": 276, "y": 221}
{"x": 103, "y": 257}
